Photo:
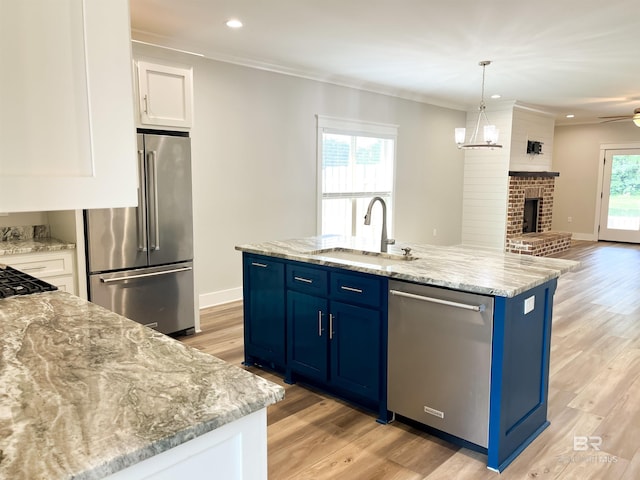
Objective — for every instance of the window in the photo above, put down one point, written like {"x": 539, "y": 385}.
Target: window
{"x": 356, "y": 162}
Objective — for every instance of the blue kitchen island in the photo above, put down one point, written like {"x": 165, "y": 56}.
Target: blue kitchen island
{"x": 317, "y": 310}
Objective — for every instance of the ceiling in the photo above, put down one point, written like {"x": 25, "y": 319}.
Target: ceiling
{"x": 562, "y": 56}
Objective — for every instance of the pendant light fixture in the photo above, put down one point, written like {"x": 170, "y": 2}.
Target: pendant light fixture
{"x": 490, "y": 132}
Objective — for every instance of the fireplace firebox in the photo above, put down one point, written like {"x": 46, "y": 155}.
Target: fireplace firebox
{"x": 530, "y": 215}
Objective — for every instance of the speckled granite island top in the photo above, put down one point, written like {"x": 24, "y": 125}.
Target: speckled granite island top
{"x": 471, "y": 269}
{"x": 86, "y": 392}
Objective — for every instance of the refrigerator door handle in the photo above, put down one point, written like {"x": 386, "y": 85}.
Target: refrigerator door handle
{"x": 141, "y": 209}
{"x": 154, "y": 220}
{"x": 144, "y": 275}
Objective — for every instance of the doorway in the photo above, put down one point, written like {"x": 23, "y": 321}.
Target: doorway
{"x": 620, "y": 207}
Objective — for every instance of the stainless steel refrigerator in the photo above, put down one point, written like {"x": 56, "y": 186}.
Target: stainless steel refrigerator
{"x": 140, "y": 259}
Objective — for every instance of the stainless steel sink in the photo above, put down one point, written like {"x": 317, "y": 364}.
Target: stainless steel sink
{"x": 361, "y": 256}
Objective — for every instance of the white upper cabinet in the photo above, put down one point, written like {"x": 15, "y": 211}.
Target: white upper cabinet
{"x": 164, "y": 95}
{"x": 67, "y": 129}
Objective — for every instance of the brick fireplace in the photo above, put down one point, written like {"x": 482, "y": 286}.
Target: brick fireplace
{"x": 537, "y": 187}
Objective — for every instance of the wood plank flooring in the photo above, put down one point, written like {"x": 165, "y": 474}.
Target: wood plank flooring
{"x": 594, "y": 392}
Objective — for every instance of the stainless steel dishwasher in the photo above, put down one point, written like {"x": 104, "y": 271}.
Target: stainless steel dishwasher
{"x": 440, "y": 358}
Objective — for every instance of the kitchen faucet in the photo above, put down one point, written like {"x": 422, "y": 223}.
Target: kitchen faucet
{"x": 384, "y": 241}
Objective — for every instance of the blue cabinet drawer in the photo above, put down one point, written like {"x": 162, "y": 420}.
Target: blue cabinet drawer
{"x": 307, "y": 279}
{"x": 358, "y": 289}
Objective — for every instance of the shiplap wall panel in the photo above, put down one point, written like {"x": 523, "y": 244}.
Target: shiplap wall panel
{"x": 530, "y": 124}
{"x": 486, "y": 182}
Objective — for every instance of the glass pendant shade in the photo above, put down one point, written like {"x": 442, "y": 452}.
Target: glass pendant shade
{"x": 490, "y": 132}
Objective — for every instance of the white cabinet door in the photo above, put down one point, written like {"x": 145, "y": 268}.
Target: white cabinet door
{"x": 67, "y": 130}
{"x": 164, "y": 95}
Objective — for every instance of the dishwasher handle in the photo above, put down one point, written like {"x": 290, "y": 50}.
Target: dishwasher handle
{"x": 475, "y": 308}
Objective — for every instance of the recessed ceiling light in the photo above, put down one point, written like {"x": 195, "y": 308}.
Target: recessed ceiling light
{"x": 234, "y": 23}
{"x": 570, "y": 115}
{"x": 495, "y": 96}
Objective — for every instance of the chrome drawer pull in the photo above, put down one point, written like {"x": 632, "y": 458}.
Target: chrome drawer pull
{"x": 351, "y": 289}
{"x": 319, "y": 323}
{"x": 301, "y": 279}
{"x": 331, "y": 326}
{"x": 32, "y": 269}
{"x": 475, "y": 308}
{"x": 261, "y": 265}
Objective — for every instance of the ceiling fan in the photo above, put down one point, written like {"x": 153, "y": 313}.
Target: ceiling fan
{"x": 617, "y": 118}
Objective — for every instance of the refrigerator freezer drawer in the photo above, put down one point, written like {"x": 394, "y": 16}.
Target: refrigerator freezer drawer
{"x": 159, "y": 297}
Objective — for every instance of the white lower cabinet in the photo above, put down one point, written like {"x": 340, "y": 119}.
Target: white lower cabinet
{"x": 56, "y": 268}
{"x": 235, "y": 451}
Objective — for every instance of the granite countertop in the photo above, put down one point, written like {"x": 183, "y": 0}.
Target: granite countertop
{"x": 466, "y": 268}
{"x": 86, "y": 392}
{"x": 13, "y": 247}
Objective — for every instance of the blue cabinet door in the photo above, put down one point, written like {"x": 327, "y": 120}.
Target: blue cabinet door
{"x": 355, "y": 344}
{"x": 307, "y": 335}
{"x": 264, "y": 310}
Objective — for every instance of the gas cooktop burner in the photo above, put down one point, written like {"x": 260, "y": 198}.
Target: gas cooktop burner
{"x": 14, "y": 282}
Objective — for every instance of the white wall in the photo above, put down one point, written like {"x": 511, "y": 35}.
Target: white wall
{"x": 535, "y": 125}
{"x": 254, "y": 163}
{"x": 576, "y": 156}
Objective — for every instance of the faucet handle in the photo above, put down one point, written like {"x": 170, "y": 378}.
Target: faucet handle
{"x": 406, "y": 250}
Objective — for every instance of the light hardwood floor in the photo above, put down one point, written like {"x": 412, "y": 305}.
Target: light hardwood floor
{"x": 594, "y": 392}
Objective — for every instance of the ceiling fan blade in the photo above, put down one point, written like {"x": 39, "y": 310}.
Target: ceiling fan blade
{"x": 615, "y": 119}
{"x": 619, "y": 117}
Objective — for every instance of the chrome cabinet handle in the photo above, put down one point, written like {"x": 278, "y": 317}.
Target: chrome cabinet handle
{"x": 475, "y": 308}
{"x": 261, "y": 265}
{"x": 146, "y": 104}
{"x": 302, "y": 279}
{"x": 319, "y": 323}
{"x": 33, "y": 269}
{"x": 331, "y": 326}
{"x": 351, "y": 289}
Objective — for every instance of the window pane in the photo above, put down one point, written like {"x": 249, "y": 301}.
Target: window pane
{"x": 354, "y": 170}
{"x": 336, "y": 168}
{"x": 624, "y": 193}
{"x": 373, "y": 165}
{"x": 336, "y": 216}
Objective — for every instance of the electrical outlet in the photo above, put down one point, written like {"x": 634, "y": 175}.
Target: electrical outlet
{"x": 529, "y": 304}
{"x": 435, "y": 232}
{"x": 569, "y": 219}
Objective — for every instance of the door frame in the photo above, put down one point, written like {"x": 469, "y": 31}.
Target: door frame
{"x": 599, "y": 191}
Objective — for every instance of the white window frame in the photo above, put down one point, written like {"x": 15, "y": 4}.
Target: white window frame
{"x": 327, "y": 124}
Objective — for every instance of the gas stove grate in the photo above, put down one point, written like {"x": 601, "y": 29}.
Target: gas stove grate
{"x": 14, "y": 282}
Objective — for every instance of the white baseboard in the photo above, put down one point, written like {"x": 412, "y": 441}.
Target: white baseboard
{"x": 584, "y": 236}
{"x": 218, "y": 298}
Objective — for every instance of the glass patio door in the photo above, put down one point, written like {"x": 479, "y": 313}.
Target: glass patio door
{"x": 620, "y": 208}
